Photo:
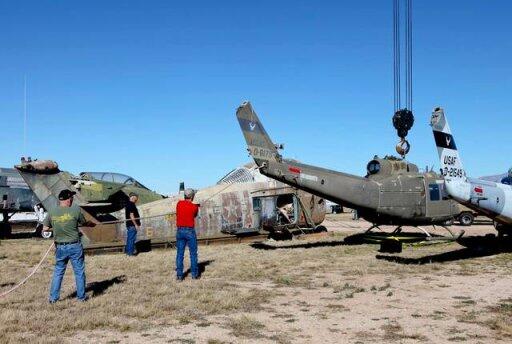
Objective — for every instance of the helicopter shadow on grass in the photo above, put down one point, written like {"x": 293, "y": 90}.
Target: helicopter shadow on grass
{"x": 374, "y": 238}
{"x": 264, "y": 246}
{"x": 474, "y": 247}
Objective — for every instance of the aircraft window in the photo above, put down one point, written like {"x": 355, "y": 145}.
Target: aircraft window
{"x": 98, "y": 176}
{"x": 112, "y": 177}
{"x": 435, "y": 194}
{"x": 121, "y": 178}
{"x": 256, "y": 204}
{"x": 373, "y": 167}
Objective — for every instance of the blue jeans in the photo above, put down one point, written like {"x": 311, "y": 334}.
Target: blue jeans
{"x": 186, "y": 236}
{"x": 131, "y": 236}
{"x": 64, "y": 253}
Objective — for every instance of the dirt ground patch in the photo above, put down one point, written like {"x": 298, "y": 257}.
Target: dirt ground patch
{"x": 301, "y": 291}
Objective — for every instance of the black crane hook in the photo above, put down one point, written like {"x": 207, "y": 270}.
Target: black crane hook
{"x": 403, "y": 121}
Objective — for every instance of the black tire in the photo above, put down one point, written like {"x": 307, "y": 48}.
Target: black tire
{"x": 319, "y": 229}
{"x": 503, "y": 229}
{"x": 39, "y": 230}
{"x": 5, "y": 230}
{"x": 466, "y": 219}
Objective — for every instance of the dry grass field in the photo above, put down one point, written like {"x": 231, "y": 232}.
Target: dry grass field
{"x": 312, "y": 290}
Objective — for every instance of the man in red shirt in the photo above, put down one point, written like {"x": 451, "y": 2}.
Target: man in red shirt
{"x": 186, "y": 211}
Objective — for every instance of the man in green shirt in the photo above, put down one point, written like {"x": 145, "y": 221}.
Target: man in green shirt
{"x": 64, "y": 221}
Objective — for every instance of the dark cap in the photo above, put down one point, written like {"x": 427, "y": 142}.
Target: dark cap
{"x": 66, "y": 194}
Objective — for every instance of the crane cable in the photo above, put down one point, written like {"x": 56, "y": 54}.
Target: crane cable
{"x": 396, "y": 54}
{"x": 408, "y": 50}
{"x": 403, "y": 118}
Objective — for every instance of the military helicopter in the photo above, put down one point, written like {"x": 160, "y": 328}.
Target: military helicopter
{"x": 393, "y": 192}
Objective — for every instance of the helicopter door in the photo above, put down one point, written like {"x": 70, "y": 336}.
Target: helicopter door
{"x": 274, "y": 211}
{"x": 268, "y": 212}
{"x": 437, "y": 203}
{"x": 256, "y": 212}
{"x": 403, "y": 195}
{"x": 286, "y": 209}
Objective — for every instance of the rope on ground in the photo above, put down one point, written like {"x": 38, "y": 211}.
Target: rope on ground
{"x": 29, "y": 275}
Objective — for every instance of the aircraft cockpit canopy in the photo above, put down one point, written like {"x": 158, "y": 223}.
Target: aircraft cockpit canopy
{"x": 389, "y": 166}
{"x": 373, "y": 167}
{"x": 111, "y": 178}
{"x": 244, "y": 174}
{"x": 238, "y": 175}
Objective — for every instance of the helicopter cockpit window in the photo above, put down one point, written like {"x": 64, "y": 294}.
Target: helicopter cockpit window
{"x": 373, "y": 167}
{"x": 435, "y": 194}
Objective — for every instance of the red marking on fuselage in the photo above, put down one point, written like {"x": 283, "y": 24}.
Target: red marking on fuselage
{"x": 294, "y": 169}
{"x": 479, "y": 189}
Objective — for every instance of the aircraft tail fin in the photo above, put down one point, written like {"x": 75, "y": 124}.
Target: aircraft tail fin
{"x": 451, "y": 163}
{"x": 260, "y": 146}
{"x": 46, "y": 181}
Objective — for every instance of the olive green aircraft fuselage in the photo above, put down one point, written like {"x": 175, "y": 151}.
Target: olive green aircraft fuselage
{"x": 393, "y": 192}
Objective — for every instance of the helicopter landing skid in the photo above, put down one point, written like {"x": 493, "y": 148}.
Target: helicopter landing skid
{"x": 442, "y": 238}
{"x": 397, "y": 230}
{"x": 372, "y": 227}
{"x": 428, "y": 236}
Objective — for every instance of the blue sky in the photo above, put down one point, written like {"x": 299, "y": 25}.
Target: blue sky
{"x": 150, "y": 88}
